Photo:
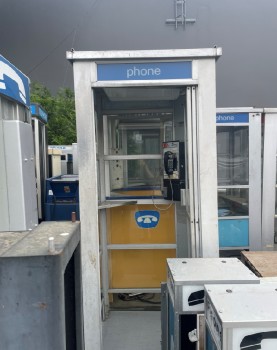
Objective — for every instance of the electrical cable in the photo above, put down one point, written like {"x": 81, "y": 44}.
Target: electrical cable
{"x": 142, "y": 297}
{"x": 170, "y": 205}
{"x": 74, "y": 30}
{"x": 49, "y": 54}
{"x": 72, "y": 45}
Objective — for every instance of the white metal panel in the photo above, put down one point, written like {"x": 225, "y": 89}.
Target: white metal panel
{"x": 138, "y": 83}
{"x": 209, "y": 270}
{"x": 143, "y": 54}
{"x": 29, "y": 176}
{"x": 239, "y": 110}
{"x": 75, "y": 158}
{"x": 245, "y": 305}
{"x": 269, "y": 180}
{"x": 14, "y": 170}
{"x": 4, "y": 203}
{"x": 207, "y": 158}
{"x": 197, "y": 195}
{"x": 37, "y": 164}
{"x": 255, "y": 194}
{"x": 133, "y": 156}
{"x": 84, "y": 75}
{"x": 189, "y": 175}
{"x": 21, "y": 180}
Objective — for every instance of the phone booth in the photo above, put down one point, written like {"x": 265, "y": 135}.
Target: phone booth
{"x": 147, "y": 169}
{"x": 39, "y": 121}
{"x": 269, "y": 202}
{"x": 18, "y": 203}
{"x": 239, "y": 144}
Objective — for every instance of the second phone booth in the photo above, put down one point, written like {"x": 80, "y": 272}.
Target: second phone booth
{"x": 269, "y": 202}
{"x": 239, "y": 144}
{"x": 146, "y": 134}
{"x": 39, "y": 122}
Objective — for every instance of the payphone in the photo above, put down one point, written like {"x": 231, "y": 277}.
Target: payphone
{"x": 174, "y": 169}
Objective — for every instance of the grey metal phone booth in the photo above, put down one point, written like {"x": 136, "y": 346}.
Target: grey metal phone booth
{"x": 143, "y": 82}
{"x": 239, "y": 145}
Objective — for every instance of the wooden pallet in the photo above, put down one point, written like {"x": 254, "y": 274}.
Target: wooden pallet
{"x": 263, "y": 264}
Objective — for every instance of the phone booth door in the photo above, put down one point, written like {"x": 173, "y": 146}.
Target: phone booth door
{"x": 269, "y": 202}
{"x": 191, "y": 192}
{"x": 239, "y": 178}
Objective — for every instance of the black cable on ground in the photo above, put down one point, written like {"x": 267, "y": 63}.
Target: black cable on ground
{"x": 143, "y": 297}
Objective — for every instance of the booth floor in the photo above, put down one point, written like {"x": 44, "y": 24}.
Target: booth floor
{"x": 132, "y": 330}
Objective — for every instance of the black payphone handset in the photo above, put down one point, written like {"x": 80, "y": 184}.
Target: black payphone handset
{"x": 174, "y": 169}
{"x": 253, "y": 341}
{"x": 170, "y": 162}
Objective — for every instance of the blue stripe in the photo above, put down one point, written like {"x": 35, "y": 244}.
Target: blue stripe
{"x": 144, "y": 71}
{"x": 225, "y": 118}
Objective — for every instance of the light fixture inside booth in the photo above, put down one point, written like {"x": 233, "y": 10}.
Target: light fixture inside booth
{"x": 142, "y": 93}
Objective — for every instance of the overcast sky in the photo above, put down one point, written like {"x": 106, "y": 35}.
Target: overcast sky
{"x": 35, "y": 34}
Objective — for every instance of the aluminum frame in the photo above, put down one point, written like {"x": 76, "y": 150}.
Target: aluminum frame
{"x": 269, "y": 179}
{"x": 85, "y": 78}
{"x": 255, "y": 180}
{"x": 40, "y": 146}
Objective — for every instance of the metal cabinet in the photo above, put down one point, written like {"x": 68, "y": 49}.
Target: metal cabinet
{"x": 40, "y": 288}
{"x": 241, "y": 317}
{"x": 182, "y": 318}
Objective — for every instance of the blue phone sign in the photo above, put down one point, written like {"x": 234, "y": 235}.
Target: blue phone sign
{"x": 13, "y": 83}
{"x": 147, "y": 218}
{"x": 144, "y": 71}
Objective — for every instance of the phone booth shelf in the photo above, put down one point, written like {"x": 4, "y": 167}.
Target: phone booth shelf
{"x": 241, "y": 316}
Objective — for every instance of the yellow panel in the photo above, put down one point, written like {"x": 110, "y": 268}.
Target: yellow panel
{"x": 138, "y": 268}
{"x": 123, "y": 229}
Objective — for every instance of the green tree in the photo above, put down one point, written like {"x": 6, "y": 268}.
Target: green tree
{"x": 61, "y": 113}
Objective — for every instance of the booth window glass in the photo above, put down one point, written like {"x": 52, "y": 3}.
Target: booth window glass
{"x": 232, "y": 155}
{"x": 138, "y": 134}
{"x": 8, "y": 110}
{"x": 233, "y": 202}
{"x": 129, "y": 176}
{"x": 139, "y": 138}
{"x": 24, "y": 114}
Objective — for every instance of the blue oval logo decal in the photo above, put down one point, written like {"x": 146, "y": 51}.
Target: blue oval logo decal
{"x": 147, "y": 218}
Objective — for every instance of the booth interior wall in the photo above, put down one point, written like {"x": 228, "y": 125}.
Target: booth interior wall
{"x": 139, "y": 268}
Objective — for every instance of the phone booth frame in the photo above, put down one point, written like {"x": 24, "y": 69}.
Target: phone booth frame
{"x": 269, "y": 197}
{"x": 103, "y": 69}
{"x": 241, "y": 230}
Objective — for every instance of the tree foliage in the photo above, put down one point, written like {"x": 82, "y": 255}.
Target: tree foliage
{"x": 61, "y": 113}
